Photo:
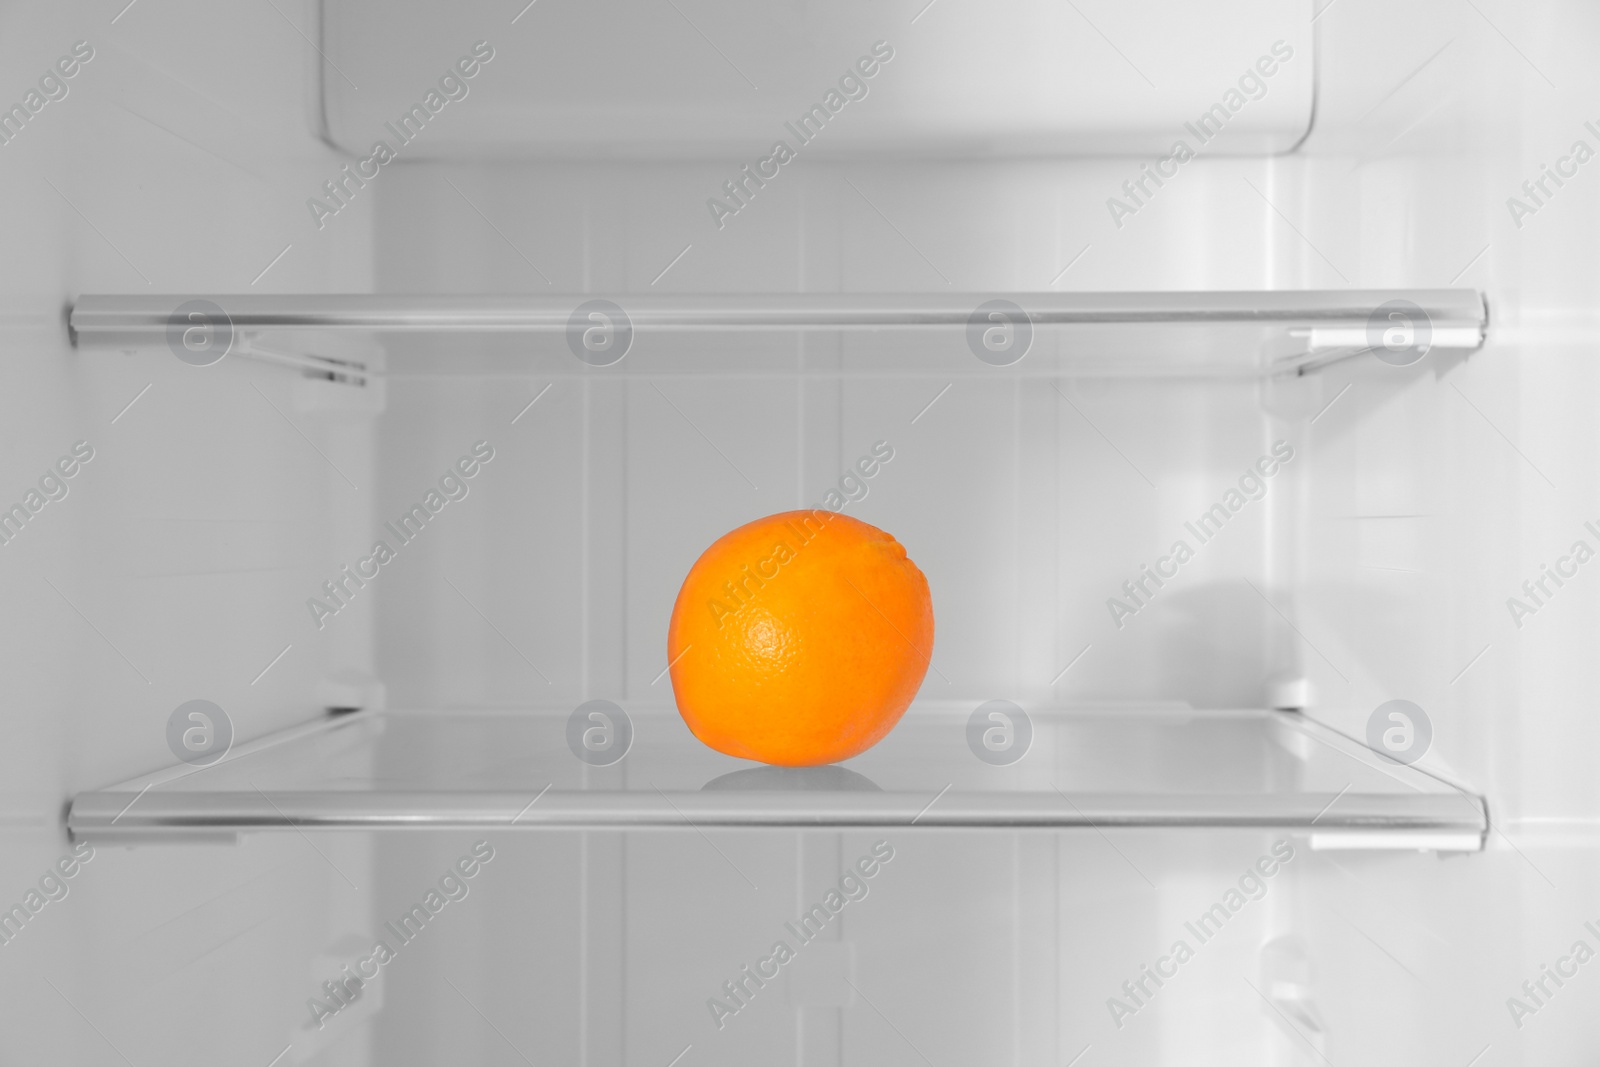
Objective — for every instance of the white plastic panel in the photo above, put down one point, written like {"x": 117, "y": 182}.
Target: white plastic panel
{"x": 697, "y": 78}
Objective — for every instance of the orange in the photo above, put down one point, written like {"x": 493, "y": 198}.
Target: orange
{"x": 799, "y": 639}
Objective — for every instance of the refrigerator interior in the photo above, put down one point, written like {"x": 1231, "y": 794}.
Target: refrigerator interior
{"x": 1376, "y": 564}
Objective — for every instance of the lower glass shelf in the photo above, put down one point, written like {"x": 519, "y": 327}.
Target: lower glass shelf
{"x": 1082, "y": 768}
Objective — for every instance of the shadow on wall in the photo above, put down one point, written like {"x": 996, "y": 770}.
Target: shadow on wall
{"x": 1216, "y": 644}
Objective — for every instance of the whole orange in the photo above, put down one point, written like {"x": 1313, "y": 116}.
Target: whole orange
{"x": 799, "y": 639}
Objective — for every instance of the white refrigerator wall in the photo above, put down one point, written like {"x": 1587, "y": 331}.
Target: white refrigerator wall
{"x": 1419, "y": 501}
{"x": 169, "y": 570}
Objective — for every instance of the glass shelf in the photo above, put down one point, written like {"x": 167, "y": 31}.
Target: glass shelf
{"x": 1087, "y": 768}
{"x": 1130, "y": 334}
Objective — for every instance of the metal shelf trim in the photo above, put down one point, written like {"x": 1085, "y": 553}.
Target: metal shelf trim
{"x": 119, "y": 319}
{"x": 119, "y": 813}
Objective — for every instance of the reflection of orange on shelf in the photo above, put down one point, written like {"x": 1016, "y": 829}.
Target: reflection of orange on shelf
{"x": 799, "y": 639}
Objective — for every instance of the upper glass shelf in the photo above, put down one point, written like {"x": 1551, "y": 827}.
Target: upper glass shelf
{"x": 1160, "y": 766}
{"x": 1248, "y": 334}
